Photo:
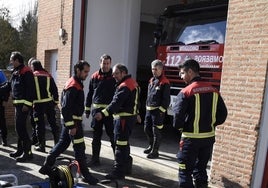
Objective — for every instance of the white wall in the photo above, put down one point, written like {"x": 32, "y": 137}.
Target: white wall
{"x": 112, "y": 27}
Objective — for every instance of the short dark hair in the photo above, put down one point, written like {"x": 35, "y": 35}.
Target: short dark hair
{"x": 80, "y": 65}
{"x": 121, "y": 68}
{"x": 190, "y": 64}
{"x": 105, "y": 56}
{"x": 36, "y": 65}
{"x": 17, "y": 56}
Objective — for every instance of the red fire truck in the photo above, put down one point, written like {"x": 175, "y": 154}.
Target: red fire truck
{"x": 192, "y": 31}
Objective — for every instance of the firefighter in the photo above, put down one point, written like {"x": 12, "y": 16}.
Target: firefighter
{"x": 4, "y": 95}
{"x": 124, "y": 108}
{"x": 158, "y": 99}
{"x": 72, "y": 103}
{"x": 199, "y": 108}
{"x": 46, "y": 99}
{"x": 23, "y": 93}
{"x": 100, "y": 94}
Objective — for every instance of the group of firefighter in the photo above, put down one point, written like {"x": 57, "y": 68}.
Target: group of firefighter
{"x": 113, "y": 102}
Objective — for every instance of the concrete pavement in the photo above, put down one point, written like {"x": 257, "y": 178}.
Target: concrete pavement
{"x": 151, "y": 173}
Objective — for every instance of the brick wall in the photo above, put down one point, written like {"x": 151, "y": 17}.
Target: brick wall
{"x": 52, "y": 15}
{"x": 243, "y": 81}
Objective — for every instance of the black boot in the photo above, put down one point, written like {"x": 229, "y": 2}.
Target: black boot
{"x": 27, "y": 155}
{"x": 157, "y": 138}
{"x": 4, "y": 140}
{"x": 19, "y": 150}
{"x": 150, "y": 147}
{"x": 41, "y": 147}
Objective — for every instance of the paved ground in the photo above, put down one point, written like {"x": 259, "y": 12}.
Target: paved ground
{"x": 155, "y": 173}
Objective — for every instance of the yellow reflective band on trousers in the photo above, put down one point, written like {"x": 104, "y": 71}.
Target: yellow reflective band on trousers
{"x": 99, "y": 105}
{"x": 160, "y": 126}
{"x": 78, "y": 141}
{"x": 182, "y": 166}
{"x": 22, "y": 101}
{"x": 36, "y": 119}
{"x": 121, "y": 143}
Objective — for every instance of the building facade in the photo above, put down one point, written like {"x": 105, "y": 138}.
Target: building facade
{"x": 70, "y": 30}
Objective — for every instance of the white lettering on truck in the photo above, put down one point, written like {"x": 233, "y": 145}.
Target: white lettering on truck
{"x": 208, "y": 58}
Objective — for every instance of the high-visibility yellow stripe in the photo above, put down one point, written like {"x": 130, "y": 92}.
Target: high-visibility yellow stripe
{"x": 48, "y": 87}
{"x": 214, "y": 109}
{"x": 43, "y": 100}
{"x": 87, "y": 108}
{"x": 69, "y": 123}
{"x": 162, "y": 109}
{"x": 151, "y": 107}
{"x": 22, "y": 101}
{"x": 78, "y": 141}
{"x": 105, "y": 112}
{"x": 77, "y": 117}
{"x": 182, "y": 166}
{"x": 160, "y": 126}
{"x": 198, "y": 135}
{"x": 36, "y": 119}
{"x": 99, "y": 105}
{"x": 37, "y": 88}
{"x": 121, "y": 143}
{"x": 197, "y": 113}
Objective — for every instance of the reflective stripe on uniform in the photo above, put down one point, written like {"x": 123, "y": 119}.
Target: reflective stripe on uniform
{"x": 160, "y": 126}
{"x": 99, "y": 105}
{"x": 151, "y": 107}
{"x": 197, "y": 114}
{"x": 87, "y": 108}
{"x": 69, "y": 123}
{"x": 22, "y": 101}
{"x": 105, "y": 112}
{"x": 162, "y": 109}
{"x": 121, "y": 143}
{"x": 182, "y": 166}
{"x": 77, "y": 117}
{"x": 78, "y": 141}
{"x": 36, "y": 119}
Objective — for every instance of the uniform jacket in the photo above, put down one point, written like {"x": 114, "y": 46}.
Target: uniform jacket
{"x": 198, "y": 110}
{"x": 126, "y": 99}
{"x": 46, "y": 89}
{"x": 101, "y": 90}
{"x": 72, "y": 102}
{"x": 158, "y": 93}
{"x": 22, "y": 85}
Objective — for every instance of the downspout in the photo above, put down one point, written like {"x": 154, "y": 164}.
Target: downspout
{"x": 82, "y": 29}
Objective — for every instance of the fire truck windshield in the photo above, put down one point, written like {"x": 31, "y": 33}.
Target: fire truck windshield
{"x": 188, "y": 31}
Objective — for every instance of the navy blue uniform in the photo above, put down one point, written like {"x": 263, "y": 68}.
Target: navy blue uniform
{"x": 4, "y": 95}
{"x": 124, "y": 108}
{"x": 23, "y": 93}
{"x": 158, "y": 99}
{"x": 72, "y": 102}
{"x": 100, "y": 94}
{"x": 198, "y": 110}
{"x": 46, "y": 99}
